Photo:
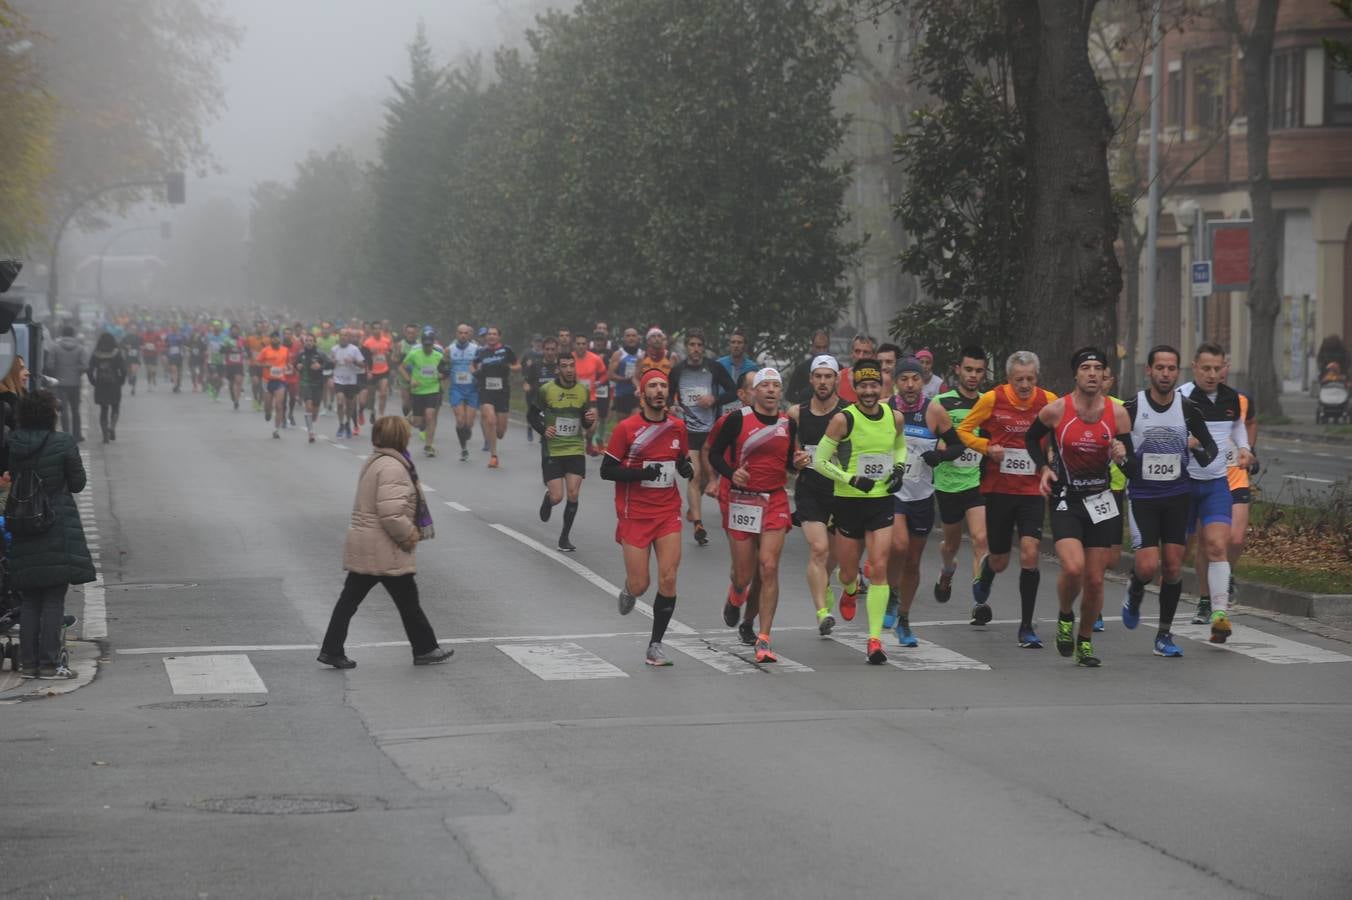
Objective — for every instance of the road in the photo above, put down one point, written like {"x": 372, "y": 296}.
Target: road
{"x": 1302, "y": 471}
{"x": 545, "y": 760}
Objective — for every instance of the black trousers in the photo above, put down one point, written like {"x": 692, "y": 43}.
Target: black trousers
{"x": 70, "y": 410}
{"x": 403, "y": 590}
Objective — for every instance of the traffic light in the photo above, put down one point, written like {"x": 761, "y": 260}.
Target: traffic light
{"x": 177, "y": 190}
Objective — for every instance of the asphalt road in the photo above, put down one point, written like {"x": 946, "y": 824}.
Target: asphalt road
{"x": 545, "y": 760}
{"x": 1302, "y": 471}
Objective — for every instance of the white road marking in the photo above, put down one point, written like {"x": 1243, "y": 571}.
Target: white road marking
{"x": 730, "y": 656}
{"x": 1309, "y": 478}
{"x": 1260, "y": 645}
{"x": 563, "y": 661}
{"x": 337, "y": 446}
{"x": 928, "y": 657}
{"x": 460, "y": 507}
{"x": 577, "y": 568}
{"x": 222, "y": 674}
{"x": 94, "y": 616}
{"x": 429, "y": 488}
{"x": 256, "y": 648}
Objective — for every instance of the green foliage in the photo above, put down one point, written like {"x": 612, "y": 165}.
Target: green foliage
{"x": 29, "y": 116}
{"x": 1340, "y": 52}
{"x": 966, "y": 183}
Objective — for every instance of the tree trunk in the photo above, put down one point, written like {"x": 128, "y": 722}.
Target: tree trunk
{"x": 1129, "y": 378}
{"x": 1264, "y": 298}
{"x": 1072, "y": 279}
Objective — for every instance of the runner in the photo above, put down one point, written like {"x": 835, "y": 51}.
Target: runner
{"x": 175, "y": 345}
{"x": 1010, "y": 483}
{"x": 464, "y": 388}
{"x": 924, "y": 423}
{"x": 602, "y": 389}
{"x": 562, "y": 414}
{"x": 380, "y": 346}
{"x": 275, "y": 361}
{"x": 197, "y": 359}
{"x": 720, "y": 489}
{"x": 326, "y": 342}
{"x": 1211, "y": 502}
{"x": 493, "y": 366}
{"x": 131, "y": 346}
{"x": 529, "y": 359}
{"x": 235, "y": 356}
{"x": 310, "y": 365}
{"x": 1162, "y": 421}
{"x": 934, "y": 385}
{"x": 150, "y": 356}
{"x": 646, "y": 452}
{"x": 292, "y": 343}
{"x": 1241, "y": 498}
{"x": 861, "y": 347}
{"x": 214, "y": 343}
{"x": 255, "y": 343}
{"x": 870, "y": 468}
{"x": 814, "y": 493}
{"x": 347, "y": 361}
{"x": 623, "y": 366}
{"x": 736, "y": 361}
{"x": 591, "y": 372}
{"x": 699, "y": 389}
{"x": 1117, "y": 483}
{"x": 1087, "y": 431}
{"x": 426, "y": 367}
{"x": 754, "y": 450}
{"x": 540, "y": 370}
{"x": 957, "y": 484}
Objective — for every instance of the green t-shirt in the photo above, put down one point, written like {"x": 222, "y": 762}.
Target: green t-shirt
{"x": 964, "y": 473}
{"x": 564, "y": 408}
{"x": 427, "y": 368}
{"x": 871, "y": 448}
{"x": 327, "y": 344}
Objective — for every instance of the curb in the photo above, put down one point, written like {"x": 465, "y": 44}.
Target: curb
{"x": 84, "y": 659}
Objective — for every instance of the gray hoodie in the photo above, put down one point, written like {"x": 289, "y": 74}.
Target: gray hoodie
{"x": 66, "y": 361}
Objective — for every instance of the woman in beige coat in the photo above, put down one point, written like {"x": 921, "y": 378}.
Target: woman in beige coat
{"x": 389, "y": 517}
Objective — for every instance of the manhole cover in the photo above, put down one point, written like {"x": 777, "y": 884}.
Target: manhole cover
{"x": 152, "y": 586}
{"x": 274, "y": 805}
{"x": 216, "y": 703}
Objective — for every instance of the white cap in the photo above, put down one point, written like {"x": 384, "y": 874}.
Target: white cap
{"x": 825, "y": 361}
{"x": 766, "y": 374}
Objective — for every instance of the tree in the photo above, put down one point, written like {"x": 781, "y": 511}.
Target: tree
{"x": 1340, "y": 52}
{"x": 1255, "y": 38}
{"x": 27, "y": 114}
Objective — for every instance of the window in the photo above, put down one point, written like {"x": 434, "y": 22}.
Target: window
{"x": 1173, "y": 110}
{"x": 1338, "y": 98}
{"x": 1208, "y": 91}
{"x": 1287, "y": 97}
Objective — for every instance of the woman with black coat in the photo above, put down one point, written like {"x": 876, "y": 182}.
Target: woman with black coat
{"x": 107, "y": 373}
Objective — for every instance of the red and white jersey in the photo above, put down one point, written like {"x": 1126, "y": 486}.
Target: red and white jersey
{"x": 636, "y": 443}
{"x": 763, "y": 448}
{"x": 1082, "y": 449}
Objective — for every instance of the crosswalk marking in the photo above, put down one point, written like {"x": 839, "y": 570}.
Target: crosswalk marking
{"x": 561, "y": 661}
{"x": 1261, "y": 645}
{"x": 227, "y": 673}
{"x": 928, "y": 657}
{"x": 730, "y": 656}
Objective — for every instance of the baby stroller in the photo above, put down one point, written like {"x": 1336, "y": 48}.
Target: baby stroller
{"x": 1332, "y": 406}
{"x": 9, "y": 614}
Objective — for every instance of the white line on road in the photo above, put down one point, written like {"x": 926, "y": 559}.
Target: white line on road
{"x": 1309, "y": 478}
{"x": 94, "y": 619}
{"x": 257, "y": 648}
{"x": 224, "y": 674}
{"x": 928, "y": 657}
{"x": 730, "y": 656}
{"x": 1260, "y": 645}
{"x": 577, "y": 568}
{"x": 459, "y": 507}
{"x": 427, "y": 487}
{"x": 562, "y": 661}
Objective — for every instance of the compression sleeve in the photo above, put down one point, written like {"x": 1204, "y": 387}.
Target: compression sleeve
{"x": 718, "y": 448}
{"x": 793, "y": 446}
{"x": 1131, "y": 467}
{"x": 725, "y": 381}
{"x": 972, "y": 421}
{"x": 953, "y": 446}
{"x": 825, "y": 460}
{"x": 611, "y": 470}
{"x": 1032, "y": 439}
{"x": 1192, "y": 417}
{"x": 535, "y": 418}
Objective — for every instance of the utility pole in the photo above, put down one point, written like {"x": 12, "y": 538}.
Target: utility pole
{"x": 1152, "y": 228}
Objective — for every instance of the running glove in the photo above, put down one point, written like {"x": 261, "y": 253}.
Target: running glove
{"x": 685, "y": 468}
{"x": 862, "y": 484}
{"x": 895, "y": 479}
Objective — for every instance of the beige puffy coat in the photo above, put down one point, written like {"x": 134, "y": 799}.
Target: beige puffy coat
{"x": 383, "y": 518}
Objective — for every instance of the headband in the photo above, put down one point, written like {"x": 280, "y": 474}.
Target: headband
{"x": 867, "y": 370}
{"x": 651, "y": 375}
{"x": 1088, "y": 354}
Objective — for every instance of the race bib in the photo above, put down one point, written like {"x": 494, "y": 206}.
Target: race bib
{"x": 492, "y": 384}
{"x": 234, "y": 358}
{"x": 175, "y": 351}
{"x": 970, "y": 459}
{"x": 276, "y": 371}
{"x": 1101, "y": 507}
{"x": 429, "y": 371}
{"x": 378, "y": 359}
{"x": 463, "y": 378}
{"x": 1016, "y": 461}
{"x": 629, "y": 370}
{"x": 148, "y": 347}
{"x": 691, "y": 396}
{"x": 913, "y": 469}
{"x": 1231, "y": 454}
{"x": 567, "y": 427}
{"x": 746, "y": 511}
{"x": 1161, "y": 466}
{"x": 666, "y": 479}
{"x": 603, "y": 391}
{"x": 875, "y": 465}
{"x": 811, "y": 451}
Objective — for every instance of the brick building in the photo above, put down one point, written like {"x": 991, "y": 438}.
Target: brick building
{"x": 1310, "y": 161}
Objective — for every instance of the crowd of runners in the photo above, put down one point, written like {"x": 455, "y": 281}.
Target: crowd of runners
{"x": 865, "y": 458}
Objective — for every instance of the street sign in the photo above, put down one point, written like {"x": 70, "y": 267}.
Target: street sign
{"x": 1201, "y": 278}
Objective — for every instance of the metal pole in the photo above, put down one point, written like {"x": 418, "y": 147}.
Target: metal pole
{"x": 1152, "y": 228}
{"x": 1201, "y": 252}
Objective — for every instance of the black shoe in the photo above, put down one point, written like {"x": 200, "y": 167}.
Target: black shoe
{"x": 432, "y": 657}
{"x": 338, "y": 662}
{"x": 546, "y": 509}
{"x": 701, "y": 536}
{"x": 730, "y": 614}
{"x": 566, "y": 545}
{"x": 981, "y": 613}
{"x": 746, "y": 632}
{"x": 112, "y": 434}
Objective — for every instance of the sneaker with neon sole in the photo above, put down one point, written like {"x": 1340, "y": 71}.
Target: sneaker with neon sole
{"x": 875, "y": 654}
{"x": 1220, "y": 627}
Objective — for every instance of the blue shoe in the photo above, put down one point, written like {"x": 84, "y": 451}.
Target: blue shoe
{"x": 890, "y": 616}
{"x": 1165, "y": 646}
{"x": 1098, "y": 624}
{"x": 1029, "y": 640}
{"x": 906, "y": 637}
{"x": 1131, "y": 612}
{"x": 980, "y": 594}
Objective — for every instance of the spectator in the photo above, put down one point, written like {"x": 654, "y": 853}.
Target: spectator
{"x": 389, "y": 518}
{"x": 1332, "y": 350}
{"x": 934, "y": 385}
{"x": 12, "y": 390}
{"x": 68, "y": 363}
{"x": 42, "y": 567}
{"x": 800, "y": 382}
{"x": 107, "y": 372}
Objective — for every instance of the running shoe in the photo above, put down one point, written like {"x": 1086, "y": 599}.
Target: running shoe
{"x": 1131, "y": 609}
{"x": 429, "y": 451}
{"x": 981, "y": 593}
{"x": 848, "y": 602}
{"x": 905, "y": 636}
{"x": 627, "y": 601}
{"x": 337, "y": 661}
{"x": 1220, "y": 627}
{"x": 825, "y": 624}
{"x": 735, "y": 598}
{"x": 1165, "y": 646}
{"x": 485, "y": 447}
{"x": 1065, "y": 637}
{"x": 276, "y": 434}
{"x": 354, "y": 431}
{"x": 1028, "y": 639}
{"x": 566, "y": 545}
{"x": 943, "y": 588}
{"x": 981, "y": 613}
{"x": 493, "y": 461}
{"x": 763, "y": 652}
{"x": 312, "y": 437}
{"x": 890, "y": 615}
{"x": 876, "y": 656}
{"x": 701, "y": 536}
{"x": 1098, "y": 624}
{"x": 361, "y": 417}
{"x": 731, "y": 614}
{"x": 656, "y": 656}
{"x": 746, "y": 633}
{"x": 422, "y": 436}
{"x": 1203, "y": 614}
{"x": 546, "y": 509}
{"x": 464, "y": 455}
{"x": 1084, "y": 654}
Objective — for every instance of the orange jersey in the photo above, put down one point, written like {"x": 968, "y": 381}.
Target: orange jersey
{"x": 1238, "y": 476}
{"x": 274, "y": 361}
{"x": 380, "y": 354}
{"x": 591, "y": 371}
{"x": 1004, "y": 419}
{"x": 255, "y": 343}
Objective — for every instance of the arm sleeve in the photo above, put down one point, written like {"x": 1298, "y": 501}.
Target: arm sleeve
{"x": 1239, "y": 434}
{"x": 1032, "y": 439}
{"x": 611, "y": 470}
{"x": 972, "y": 421}
{"x": 953, "y": 445}
{"x": 825, "y": 460}
{"x": 722, "y": 441}
{"x": 535, "y": 418}
{"x": 1131, "y": 466}
{"x": 1192, "y": 417}
{"x": 728, "y": 384}
{"x": 793, "y": 445}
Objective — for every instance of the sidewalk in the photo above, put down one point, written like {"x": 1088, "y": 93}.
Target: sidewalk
{"x": 1300, "y": 408}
